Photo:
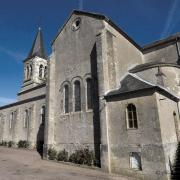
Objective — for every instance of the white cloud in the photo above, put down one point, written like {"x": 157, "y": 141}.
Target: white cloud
{"x": 170, "y": 20}
{"x": 13, "y": 54}
{"x": 4, "y": 101}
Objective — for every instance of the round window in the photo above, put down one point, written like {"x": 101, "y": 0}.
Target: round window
{"x": 76, "y": 24}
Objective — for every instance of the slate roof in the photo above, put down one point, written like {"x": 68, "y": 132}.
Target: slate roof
{"x": 132, "y": 83}
{"x": 23, "y": 101}
{"x": 172, "y": 38}
{"x": 37, "y": 47}
{"x": 145, "y": 66}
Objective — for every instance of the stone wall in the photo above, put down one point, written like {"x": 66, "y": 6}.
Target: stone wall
{"x": 166, "y": 53}
{"x": 119, "y": 54}
{"x": 146, "y": 140}
{"x": 74, "y": 53}
{"x": 115, "y": 55}
{"x": 169, "y": 127}
{"x": 17, "y": 131}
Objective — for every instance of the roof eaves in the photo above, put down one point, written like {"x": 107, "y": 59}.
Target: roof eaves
{"x": 23, "y": 102}
{"x": 160, "y": 43}
{"x": 159, "y": 88}
{"x": 61, "y": 28}
{"x": 146, "y": 66}
{"x": 126, "y": 92}
{"x": 123, "y": 33}
{"x": 156, "y": 88}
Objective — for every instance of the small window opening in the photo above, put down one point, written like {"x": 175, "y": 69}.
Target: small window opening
{"x": 135, "y": 161}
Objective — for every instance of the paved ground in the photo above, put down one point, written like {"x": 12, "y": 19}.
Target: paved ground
{"x": 27, "y": 165}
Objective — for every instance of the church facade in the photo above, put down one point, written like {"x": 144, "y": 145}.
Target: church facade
{"x": 99, "y": 89}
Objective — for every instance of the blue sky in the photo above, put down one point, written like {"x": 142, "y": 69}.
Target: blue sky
{"x": 143, "y": 20}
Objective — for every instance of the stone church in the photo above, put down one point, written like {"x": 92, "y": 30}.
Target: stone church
{"x": 100, "y": 89}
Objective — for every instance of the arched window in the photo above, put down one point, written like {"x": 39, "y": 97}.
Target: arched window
{"x": 89, "y": 93}
{"x": 66, "y": 99}
{"x": 131, "y": 116}
{"x": 26, "y": 119}
{"x": 77, "y": 96}
{"x": 27, "y": 72}
{"x": 30, "y": 71}
{"x": 11, "y": 120}
{"x": 43, "y": 114}
{"x": 45, "y": 72}
{"x": 41, "y": 71}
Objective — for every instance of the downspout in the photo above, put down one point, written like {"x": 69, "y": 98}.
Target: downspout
{"x": 178, "y": 53}
{"x": 178, "y": 110}
{"x": 178, "y": 62}
{"x": 178, "y": 121}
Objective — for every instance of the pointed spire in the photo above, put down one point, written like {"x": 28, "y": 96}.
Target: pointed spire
{"x": 38, "y": 46}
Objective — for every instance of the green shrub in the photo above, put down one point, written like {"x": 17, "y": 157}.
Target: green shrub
{"x": 4, "y": 143}
{"x": 20, "y": 144}
{"x": 62, "y": 156}
{"x": 77, "y": 157}
{"x": 23, "y": 144}
{"x": 82, "y": 156}
{"x": 10, "y": 144}
{"x": 88, "y": 157}
{"x": 72, "y": 158}
{"x": 52, "y": 154}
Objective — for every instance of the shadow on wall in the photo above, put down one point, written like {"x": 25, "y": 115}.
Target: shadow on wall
{"x": 40, "y": 140}
{"x": 175, "y": 169}
{"x": 95, "y": 101}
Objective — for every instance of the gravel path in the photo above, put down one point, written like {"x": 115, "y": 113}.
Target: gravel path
{"x": 18, "y": 164}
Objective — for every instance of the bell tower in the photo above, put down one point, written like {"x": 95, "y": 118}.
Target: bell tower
{"x": 35, "y": 65}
